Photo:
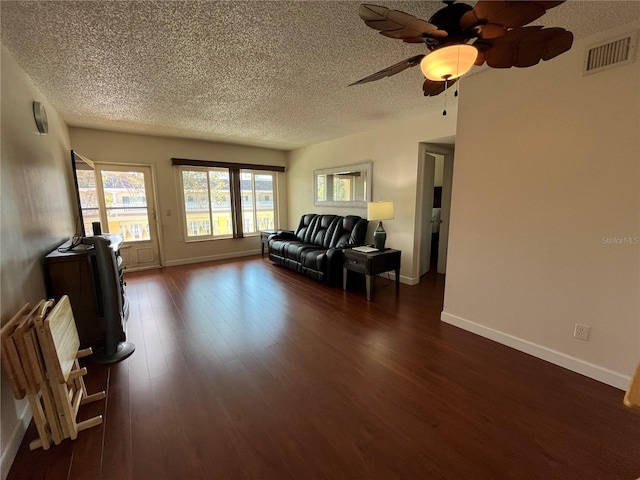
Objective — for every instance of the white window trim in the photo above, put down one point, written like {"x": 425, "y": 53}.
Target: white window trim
{"x": 205, "y": 238}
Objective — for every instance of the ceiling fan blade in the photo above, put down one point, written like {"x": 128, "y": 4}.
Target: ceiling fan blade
{"x": 397, "y": 24}
{"x": 559, "y": 42}
{"x": 490, "y": 31}
{"x": 505, "y": 13}
{"x": 431, "y": 88}
{"x": 392, "y": 70}
{"x": 481, "y": 58}
{"x": 526, "y": 46}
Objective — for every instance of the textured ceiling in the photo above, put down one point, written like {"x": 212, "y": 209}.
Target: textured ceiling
{"x": 267, "y": 73}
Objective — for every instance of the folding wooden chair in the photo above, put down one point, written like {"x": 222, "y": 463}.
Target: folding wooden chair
{"x": 59, "y": 343}
{"x": 17, "y": 338}
{"x": 632, "y": 397}
{"x": 26, "y": 341}
{"x": 9, "y": 355}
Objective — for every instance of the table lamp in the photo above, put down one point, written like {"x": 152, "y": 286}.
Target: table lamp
{"x": 379, "y": 211}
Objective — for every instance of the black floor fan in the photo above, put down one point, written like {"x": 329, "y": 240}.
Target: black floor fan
{"x": 109, "y": 296}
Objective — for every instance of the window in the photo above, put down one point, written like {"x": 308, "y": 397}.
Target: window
{"x": 257, "y": 200}
{"x": 192, "y": 229}
{"x": 136, "y": 231}
{"x": 125, "y": 203}
{"x": 206, "y": 192}
{"x": 88, "y": 198}
{"x": 133, "y": 200}
{"x": 226, "y": 202}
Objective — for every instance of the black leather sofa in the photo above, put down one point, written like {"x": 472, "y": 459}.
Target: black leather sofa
{"x": 315, "y": 248}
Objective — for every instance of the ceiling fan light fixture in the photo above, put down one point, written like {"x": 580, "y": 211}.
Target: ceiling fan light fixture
{"x": 449, "y": 62}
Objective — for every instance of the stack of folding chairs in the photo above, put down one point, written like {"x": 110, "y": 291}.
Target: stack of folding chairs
{"x": 39, "y": 350}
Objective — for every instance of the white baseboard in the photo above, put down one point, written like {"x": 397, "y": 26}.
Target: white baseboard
{"x": 409, "y": 280}
{"x": 596, "y": 372}
{"x": 12, "y": 446}
{"x": 403, "y": 279}
{"x": 210, "y": 258}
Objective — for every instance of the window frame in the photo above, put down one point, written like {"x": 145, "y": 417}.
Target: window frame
{"x": 235, "y": 220}
{"x": 255, "y": 199}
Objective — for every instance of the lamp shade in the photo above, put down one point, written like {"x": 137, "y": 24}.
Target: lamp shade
{"x": 380, "y": 211}
{"x": 450, "y": 62}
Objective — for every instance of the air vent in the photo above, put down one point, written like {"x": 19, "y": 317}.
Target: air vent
{"x": 613, "y": 53}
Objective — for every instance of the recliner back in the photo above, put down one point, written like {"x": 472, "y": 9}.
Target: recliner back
{"x": 351, "y": 230}
{"x": 304, "y": 226}
{"x": 317, "y": 234}
{"x": 331, "y": 231}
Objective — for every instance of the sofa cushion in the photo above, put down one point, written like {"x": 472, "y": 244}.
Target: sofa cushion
{"x": 277, "y": 245}
{"x": 314, "y": 258}
{"x": 349, "y": 230}
{"x": 304, "y": 227}
{"x": 294, "y": 249}
{"x": 322, "y": 230}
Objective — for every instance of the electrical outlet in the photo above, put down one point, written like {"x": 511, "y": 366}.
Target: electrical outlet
{"x": 581, "y": 332}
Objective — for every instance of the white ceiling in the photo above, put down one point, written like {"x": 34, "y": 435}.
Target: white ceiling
{"x": 266, "y": 73}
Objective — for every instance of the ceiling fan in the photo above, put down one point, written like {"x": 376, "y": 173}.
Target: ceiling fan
{"x": 460, "y": 36}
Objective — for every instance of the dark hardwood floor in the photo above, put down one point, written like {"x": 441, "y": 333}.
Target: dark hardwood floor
{"x": 247, "y": 370}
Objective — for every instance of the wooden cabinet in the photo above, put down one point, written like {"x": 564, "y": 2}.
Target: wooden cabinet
{"x": 74, "y": 272}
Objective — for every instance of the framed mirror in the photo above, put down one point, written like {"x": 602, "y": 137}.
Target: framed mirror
{"x": 344, "y": 186}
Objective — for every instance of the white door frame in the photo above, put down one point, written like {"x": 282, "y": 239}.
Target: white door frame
{"x": 424, "y": 196}
{"x": 424, "y": 207}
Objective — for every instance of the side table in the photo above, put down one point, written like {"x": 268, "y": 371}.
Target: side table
{"x": 370, "y": 264}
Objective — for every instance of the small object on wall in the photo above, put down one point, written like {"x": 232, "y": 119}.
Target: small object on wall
{"x": 40, "y": 116}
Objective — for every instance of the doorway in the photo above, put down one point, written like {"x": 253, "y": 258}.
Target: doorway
{"x": 435, "y": 176}
{"x": 126, "y": 203}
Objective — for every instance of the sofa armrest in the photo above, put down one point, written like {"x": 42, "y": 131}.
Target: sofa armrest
{"x": 283, "y": 235}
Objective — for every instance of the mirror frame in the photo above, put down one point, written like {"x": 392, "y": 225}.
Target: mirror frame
{"x": 366, "y": 167}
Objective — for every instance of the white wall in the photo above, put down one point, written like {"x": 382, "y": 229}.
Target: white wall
{"x": 547, "y": 165}
{"x": 112, "y": 147}
{"x": 36, "y": 216}
{"x": 394, "y": 152}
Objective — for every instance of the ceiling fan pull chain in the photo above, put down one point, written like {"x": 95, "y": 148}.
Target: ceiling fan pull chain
{"x": 455, "y": 94}
{"x": 446, "y": 82}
